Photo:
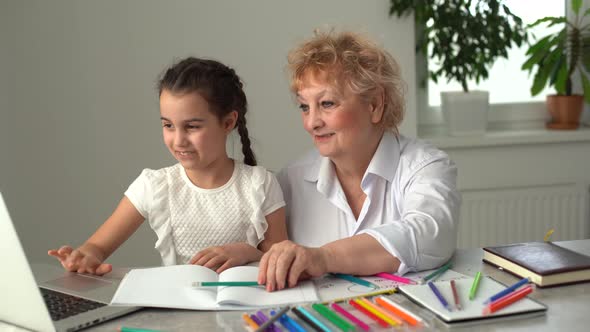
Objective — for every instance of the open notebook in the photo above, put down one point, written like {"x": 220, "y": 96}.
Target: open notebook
{"x": 172, "y": 287}
{"x": 472, "y": 310}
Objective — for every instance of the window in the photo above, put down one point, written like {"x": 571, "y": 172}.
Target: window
{"x": 508, "y": 70}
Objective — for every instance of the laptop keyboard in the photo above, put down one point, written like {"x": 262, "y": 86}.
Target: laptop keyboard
{"x": 62, "y": 305}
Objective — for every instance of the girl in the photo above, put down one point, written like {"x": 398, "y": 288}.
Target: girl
{"x": 208, "y": 209}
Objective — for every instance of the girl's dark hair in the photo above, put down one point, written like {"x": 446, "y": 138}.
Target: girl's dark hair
{"x": 219, "y": 85}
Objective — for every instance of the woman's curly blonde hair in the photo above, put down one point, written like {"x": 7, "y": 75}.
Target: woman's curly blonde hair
{"x": 354, "y": 61}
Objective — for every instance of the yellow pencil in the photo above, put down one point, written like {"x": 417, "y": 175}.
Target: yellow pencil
{"x": 381, "y": 292}
{"x": 396, "y": 319}
{"x": 375, "y": 312}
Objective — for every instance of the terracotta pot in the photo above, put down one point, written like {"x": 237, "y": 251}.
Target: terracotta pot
{"x": 565, "y": 111}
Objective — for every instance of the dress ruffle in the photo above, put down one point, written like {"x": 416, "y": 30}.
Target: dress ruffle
{"x": 258, "y": 178}
{"x": 160, "y": 220}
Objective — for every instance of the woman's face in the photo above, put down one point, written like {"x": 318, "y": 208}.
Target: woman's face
{"x": 339, "y": 121}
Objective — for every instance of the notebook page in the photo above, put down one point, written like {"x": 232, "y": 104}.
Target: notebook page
{"x": 256, "y": 296}
{"x": 167, "y": 287}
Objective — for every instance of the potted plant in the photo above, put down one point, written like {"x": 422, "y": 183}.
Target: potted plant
{"x": 465, "y": 37}
{"x": 555, "y": 59}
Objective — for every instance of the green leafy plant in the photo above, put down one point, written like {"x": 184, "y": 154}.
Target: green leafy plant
{"x": 466, "y": 37}
{"x": 556, "y": 57}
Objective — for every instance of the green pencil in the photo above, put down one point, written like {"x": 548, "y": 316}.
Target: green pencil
{"x": 474, "y": 286}
{"x": 332, "y": 317}
{"x": 436, "y": 273}
{"x": 225, "y": 283}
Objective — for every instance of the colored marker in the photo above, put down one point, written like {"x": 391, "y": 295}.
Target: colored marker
{"x": 393, "y": 277}
{"x": 350, "y": 317}
{"x": 474, "y": 286}
{"x": 269, "y": 322}
{"x": 332, "y": 317}
{"x": 225, "y": 283}
{"x": 509, "y": 289}
{"x": 310, "y": 319}
{"x": 355, "y": 280}
{"x": 368, "y": 313}
{"x": 249, "y": 321}
{"x": 398, "y": 310}
{"x": 388, "y": 317}
{"x": 440, "y": 297}
{"x": 436, "y": 273}
{"x": 507, "y": 300}
{"x": 455, "y": 295}
{"x": 375, "y": 312}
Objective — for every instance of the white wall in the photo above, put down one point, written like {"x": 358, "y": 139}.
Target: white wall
{"x": 79, "y": 112}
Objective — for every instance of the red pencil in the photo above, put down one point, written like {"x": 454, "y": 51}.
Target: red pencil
{"x": 368, "y": 313}
{"x": 507, "y": 300}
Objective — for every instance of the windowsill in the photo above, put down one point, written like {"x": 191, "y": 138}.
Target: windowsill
{"x": 437, "y": 136}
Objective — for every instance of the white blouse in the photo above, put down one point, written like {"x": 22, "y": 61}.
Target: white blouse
{"x": 187, "y": 218}
{"x": 411, "y": 206}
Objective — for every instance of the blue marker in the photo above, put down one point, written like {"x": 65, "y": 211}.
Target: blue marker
{"x": 439, "y": 296}
{"x": 507, "y": 290}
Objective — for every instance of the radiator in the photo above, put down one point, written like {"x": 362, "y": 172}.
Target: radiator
{"x": 491, "y": 217}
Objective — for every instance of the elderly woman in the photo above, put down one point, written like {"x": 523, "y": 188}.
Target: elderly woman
{"x": 366, "y": 199}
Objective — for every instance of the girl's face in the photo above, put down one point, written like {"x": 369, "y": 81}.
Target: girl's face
{"x": 192, "y": 133}
{"x": 340, "y": 122}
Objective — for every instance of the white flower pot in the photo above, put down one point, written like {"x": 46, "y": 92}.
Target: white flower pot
{"x": 466, "y": 113}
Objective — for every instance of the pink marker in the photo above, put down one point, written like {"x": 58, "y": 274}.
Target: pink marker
{"x": 393, "y": 277}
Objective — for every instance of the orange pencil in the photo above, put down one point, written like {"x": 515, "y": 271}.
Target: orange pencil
{"x": 249, "y": 321}
{"x": 394, "y": 308}
{"x": 388, "y": 317}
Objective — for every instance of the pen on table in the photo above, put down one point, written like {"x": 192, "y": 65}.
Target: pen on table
{"x": 350, "y": 317}
{"x": 393, "y": 277}
{"x": 455, "y": 295}
{"x": 225, "y": 283}
{"x": 332, "y": 317}
{"x": 355, "y": 280}
{"x": 507, "y": 299}
{"x": 438, "y": 294}
{"x": 134, "y": 329}
{"x": 310, "y": 319}
{"x": 474, "y": 286}
{"x": 269, "y": 321}
{"x": 381, "y": 292}
{"x": 507, "y": 290}
{"x": 249, "y": 321}
{"x": 436, "y": 273}
{"x": 256, "y": 320}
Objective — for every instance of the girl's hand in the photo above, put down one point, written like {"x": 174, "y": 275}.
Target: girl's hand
{"x": 221, "y": 258}
{"x": 287, "y": 262}
{"x": 86, "y": 259}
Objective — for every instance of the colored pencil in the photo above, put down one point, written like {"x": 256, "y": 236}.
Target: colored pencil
{"x": 391, "y": 319}
{"x": 403, "y": 313}
{"x": 225, "y": 283}
{"x": 355, "y": 280}
{"x": 249, "y": 321}
{"x": 393, "y": 277}
{"x": 508, "y": 290}
{"x": 436, "y": 273}
{"x": 474, "y": 286}
{"x": 438, "y": 294}
{"x": 332, "y": 317}
{"x": 268, "y": 322}
{"x": 350, "y": 316}
{"x": 381, "y": 292}
{"x": 507, "y": 300}
{"x": 310, "y": 319}
{"x": 368, "y": 313}
{"x": 455, "y": 295}
{"x": 375, "y": 312}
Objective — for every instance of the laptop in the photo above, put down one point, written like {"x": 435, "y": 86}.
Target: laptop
{"x": 52, "y": 299}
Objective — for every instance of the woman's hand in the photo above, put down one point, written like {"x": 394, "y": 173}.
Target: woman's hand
{"x": 86, "y": 259}
{"x": 223, "y": 257}
{"x": 286, "y": 263}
